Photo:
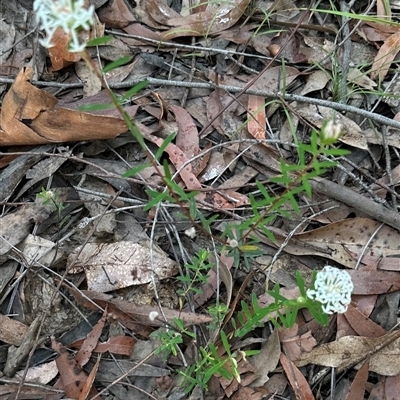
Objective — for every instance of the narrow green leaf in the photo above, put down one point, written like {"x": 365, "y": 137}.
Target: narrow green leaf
{"x": 225, "y": 343}
{"x": 167, "y": 171}
{"x": 155, "y": 200}
{"x": 99, "y": 41}
{"x": 268, "y": 233}
{"x": 95, "y": 107}
{"x": 300, "y": 283}
{"x": 164, "y": 145}
{"x": 135, "y": 89}
{"x": 117, "y": 63}
{"x": 336, "y": 152}
{"x": 307, "y": 187}
{"x": 135, "y": 170}
{"x": 294, "y": 203}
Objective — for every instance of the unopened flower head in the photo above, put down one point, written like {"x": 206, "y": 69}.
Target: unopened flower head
{"x": 70, "y": 15}
{"x": 153, "y": 315}
{"x": 330, "y": 132}
{"x": 332, "y": 288}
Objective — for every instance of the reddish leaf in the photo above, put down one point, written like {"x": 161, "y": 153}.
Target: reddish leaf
{"x": 357, "y": 388}
{"x": 122, "y": 345}
{"x": 362, "y": 324}
{"x": 89, "y": 344}
{"x": 256, "y": 124}
{"x": 116, "y": 14}
{"x": 88, "y": 387}
{"x": 392, "y": 387}
{"x": 73, "y": 378}
{"x": 187, "y": 138}
{"x": 297, "y": 380}
{"x": 59, "y": 55}
{"x": 375, "y": 282}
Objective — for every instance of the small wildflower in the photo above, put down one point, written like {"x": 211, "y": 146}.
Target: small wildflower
{"x": 153, "y": 315}
{"x": 333, "y": 288}
{"x": 232, "y": 243}
{"x": 70, "y": 15}
{"x": 191, "y": 232}
{"x": 330, "y": 132}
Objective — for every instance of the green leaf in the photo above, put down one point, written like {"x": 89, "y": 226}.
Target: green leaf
{"x": 160, "y": 197}
{"x": 193, "y": 209}
{"x": 336, "y": 152}
{"x": 225, "y": 343}
{"x": 99, "y": 41}
{"x": 294, "y": 203}
{"x": 307, "y": 187}
{"x": 300, "y": 283}
{"x": 164, "y": 145}
{"x": 117, "y": 63}
{"x": 176, "y": 188}
{"x": 135, "y": 89}
{"x": 314, "y": 142}
{"x": 179, "y": 324}
{"x": 267, "y": 233}
{"x": 135, "y": 170}
{"x": 167, "y": 171}
{"x": 301, "y": 154}
{"x": 95, "y": 107}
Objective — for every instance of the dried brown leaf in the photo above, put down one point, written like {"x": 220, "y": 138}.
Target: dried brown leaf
{"x": 116, "y": 14}
{"x": 15, "y": 227}
{"x": 140, "y": 313}
{"x": 350, "y": 350}
{"x": 59, "y": 55}
{"x": 362, "y": 324}
{"x": 88, "y": 386}
{"x": 267, "y": 359}
{"x": 122, "y": 345}
{"x": 160, "y": 11}
{"x": 178, "y": 158}
{"x": 91, "y": 341}
{"x": 30, "y": 116}
{"x": 208, "y": 22}
{"x": 297, "y": 380}
{"x": 358, "y": 386}
{"x": 375, "y": 282}
{"x": 385, "y": 56}
{"x": 187, "y": 138}
{"x": 343, "y": 241}
{"x": 256, "y": 124}
{"x": 12, "y": 331}
{"x": 111, "y": 266}
{"x": 295, "y": 344}
{"x": 315, "y": 81}
{"x": 72, "y": 376}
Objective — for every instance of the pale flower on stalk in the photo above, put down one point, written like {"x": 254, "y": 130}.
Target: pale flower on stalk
{"x": 330, "y": 132}
{"x": 332, "y": 288}
{"x": 69, "y": 15}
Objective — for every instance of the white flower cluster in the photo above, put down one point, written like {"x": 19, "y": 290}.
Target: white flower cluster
{"x": 333, "y": 288}
{"x": 70, "y": 15}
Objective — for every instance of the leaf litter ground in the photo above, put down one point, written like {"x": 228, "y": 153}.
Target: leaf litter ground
{"x": 88, "y": 280}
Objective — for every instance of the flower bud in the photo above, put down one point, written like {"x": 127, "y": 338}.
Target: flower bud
{"x": 330, "y": 132}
